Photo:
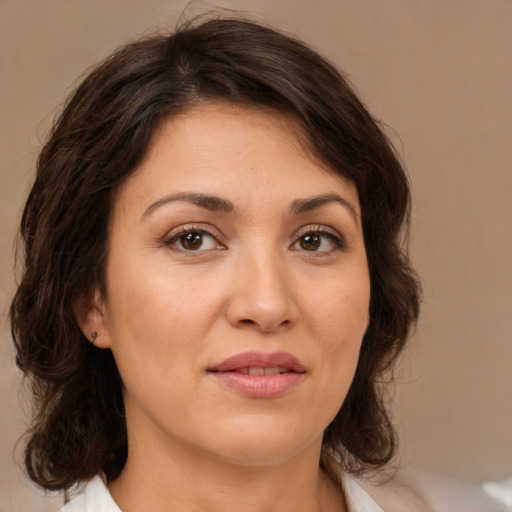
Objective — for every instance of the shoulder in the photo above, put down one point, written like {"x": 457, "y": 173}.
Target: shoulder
{"x": 405, "y": 491}
{"x": 419, "y": 491}
{"x": 92, "y": 496}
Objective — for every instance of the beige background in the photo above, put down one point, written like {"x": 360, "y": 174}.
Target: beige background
{"x": 440, "y": 73}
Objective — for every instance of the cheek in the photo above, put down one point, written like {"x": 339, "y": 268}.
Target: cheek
{"x": 151, "y": 301}
{"x": 158, "y": 324}
{"x": 340, "y": 313}
{"x": 338, "y": 321}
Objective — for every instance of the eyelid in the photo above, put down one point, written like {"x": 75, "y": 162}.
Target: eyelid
{"x": 321, "y": 229}
{"x": 200, "y": 228}
{"x": 318, "y": 228}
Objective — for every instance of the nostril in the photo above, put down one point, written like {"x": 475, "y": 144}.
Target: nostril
{"x": 253, "y": 323}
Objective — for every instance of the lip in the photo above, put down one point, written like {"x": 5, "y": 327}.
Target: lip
{"x": 259, "y": 386}
{"x": 259, "y": 360}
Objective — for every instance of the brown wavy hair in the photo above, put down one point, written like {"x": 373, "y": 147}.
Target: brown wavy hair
{"x": 97, "y": 142}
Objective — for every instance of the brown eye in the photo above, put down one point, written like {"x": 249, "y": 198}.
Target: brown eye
{"x": 318, "y": 241}
{"x": 193, "y": 241}
{"x": 310, "y": 242}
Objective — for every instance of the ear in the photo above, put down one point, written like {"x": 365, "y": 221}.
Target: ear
{"x": 90, "y": 314}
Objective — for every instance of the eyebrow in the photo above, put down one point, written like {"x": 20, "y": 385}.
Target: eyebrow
{"x": 312, "y": 203}
{"x": 212, "y": 203}
{"x": 216, "y": 204}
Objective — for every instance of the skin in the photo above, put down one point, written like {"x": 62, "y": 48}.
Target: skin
{"x": 255, "y": 280}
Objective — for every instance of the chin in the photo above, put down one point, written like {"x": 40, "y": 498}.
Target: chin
{"x": 265, "y": 446}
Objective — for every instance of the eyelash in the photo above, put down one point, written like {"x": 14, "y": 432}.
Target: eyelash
{"x": 179, "y": 233}
{"x": 320, "y": 231}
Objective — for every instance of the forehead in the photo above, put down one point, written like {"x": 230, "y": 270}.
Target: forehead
{"x": 245, "y": 154}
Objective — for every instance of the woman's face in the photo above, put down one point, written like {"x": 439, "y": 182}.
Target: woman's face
{"x": 237, "y": 289}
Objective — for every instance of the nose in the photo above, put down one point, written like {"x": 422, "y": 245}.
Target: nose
{"x": 262, "y": 295}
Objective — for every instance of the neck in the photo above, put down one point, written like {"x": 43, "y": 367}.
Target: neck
{"x": 153, "y": 480}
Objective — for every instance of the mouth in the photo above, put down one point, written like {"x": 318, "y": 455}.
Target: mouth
{"x": 260, "y": 375}
{"x": 272, "y": 370}
{"x": 258, "y": 362}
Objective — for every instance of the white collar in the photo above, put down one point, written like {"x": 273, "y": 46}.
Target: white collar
{"x": 358, "y": 500}
{"x": 95, "y": 497}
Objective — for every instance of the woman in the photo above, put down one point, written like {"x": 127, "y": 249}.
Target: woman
{"x": 214, "y": 283}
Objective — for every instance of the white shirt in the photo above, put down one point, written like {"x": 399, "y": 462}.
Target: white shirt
{"x": 95, "y": 497}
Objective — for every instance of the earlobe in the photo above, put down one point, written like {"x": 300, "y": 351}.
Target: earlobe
{"x": 89, "y": 313}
